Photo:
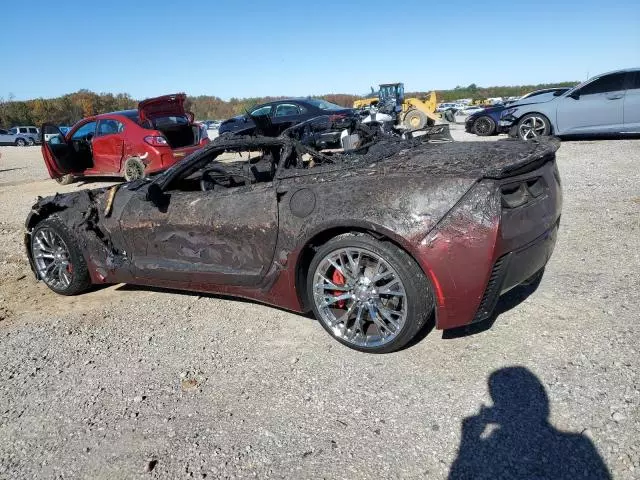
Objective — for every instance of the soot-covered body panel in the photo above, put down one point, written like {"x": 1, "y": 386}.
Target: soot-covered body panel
{"x": 442, "y": 203}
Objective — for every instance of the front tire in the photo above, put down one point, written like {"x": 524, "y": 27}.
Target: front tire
{"x": 58, "y": 261}
{"x": 533, "y": 125}
{"x": 21, "y": 142}
{"x": 415, "y": 120}
{"x": 133, "y": 169}
{"x": 368, "y": 294}
{"x": 484, "y": 126}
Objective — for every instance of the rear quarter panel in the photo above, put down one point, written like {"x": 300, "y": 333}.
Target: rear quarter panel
{"x": 400, "y": 207}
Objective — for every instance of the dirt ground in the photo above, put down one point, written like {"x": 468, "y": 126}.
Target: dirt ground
{"x": 125, "y": 382}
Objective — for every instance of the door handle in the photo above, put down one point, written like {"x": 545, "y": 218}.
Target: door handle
{"x": 614, "y": 97}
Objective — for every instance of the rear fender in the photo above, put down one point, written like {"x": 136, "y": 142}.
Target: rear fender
{"x": 459, "y": 253}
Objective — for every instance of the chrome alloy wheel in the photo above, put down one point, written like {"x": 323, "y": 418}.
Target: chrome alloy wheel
{"x": 532, "y": 127}
{"x": 52, "y": 259}
{"x": 360, "y": 297}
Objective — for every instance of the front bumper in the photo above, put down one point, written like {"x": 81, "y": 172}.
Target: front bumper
{"x": 468, "y": 125}
{"x": 508, "y": 125}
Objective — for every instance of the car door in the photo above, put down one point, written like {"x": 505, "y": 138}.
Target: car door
{"x": 632, "y": 103}
{"x": 201, "y": 238}
{"x": 286, "y": 115}
{"x": 60, "y": 155}
{"x": 33, "y": 134}
{"x": 596, "y": 107}
{"x": 108, "y": 146}
{"x": 262, "y": 119}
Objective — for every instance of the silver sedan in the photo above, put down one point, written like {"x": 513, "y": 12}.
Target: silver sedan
{"x": 605, "y": 104}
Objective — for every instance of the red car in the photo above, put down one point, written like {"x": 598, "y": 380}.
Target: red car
{"x": 129, "y": 143}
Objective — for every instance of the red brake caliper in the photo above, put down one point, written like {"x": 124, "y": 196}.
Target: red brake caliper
{"x": 338, "y": 279}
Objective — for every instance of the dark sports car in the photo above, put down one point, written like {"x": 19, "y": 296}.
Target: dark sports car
{"x": 374, "y": 241}
{"x": 273, "y": 118}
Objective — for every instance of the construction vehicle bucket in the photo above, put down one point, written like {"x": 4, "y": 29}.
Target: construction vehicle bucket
{"x": 435, "y": 134}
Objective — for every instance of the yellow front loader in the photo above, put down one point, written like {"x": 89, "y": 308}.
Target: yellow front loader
{"x": 413, "y": 113}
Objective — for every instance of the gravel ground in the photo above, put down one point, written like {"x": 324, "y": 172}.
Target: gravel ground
{"x": 126, "y": 382}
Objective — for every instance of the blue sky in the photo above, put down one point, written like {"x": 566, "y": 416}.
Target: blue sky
{"x": 241, "y": 48}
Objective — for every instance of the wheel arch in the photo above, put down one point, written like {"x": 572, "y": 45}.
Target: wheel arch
{"x": 33, "y": 219}
{"x": 322, "y": 235}
{"x": 552, "y": 127}
{"x": 486, "y": 115}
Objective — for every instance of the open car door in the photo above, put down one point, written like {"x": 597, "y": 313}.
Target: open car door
{"x": 57, "y": 152}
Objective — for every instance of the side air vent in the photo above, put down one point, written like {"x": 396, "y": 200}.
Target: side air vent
{"x": 492, "y": 291}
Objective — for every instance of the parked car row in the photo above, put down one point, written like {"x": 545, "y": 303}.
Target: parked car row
{"x": 605, "y": 104}
{"x": 486, "y": 121}
{"x": 443, "y": 107}
{"x": 135, "y": 143}
{"x": 212, "y": 124}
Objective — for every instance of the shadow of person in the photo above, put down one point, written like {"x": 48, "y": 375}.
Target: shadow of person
{"x": 513, "y": 439}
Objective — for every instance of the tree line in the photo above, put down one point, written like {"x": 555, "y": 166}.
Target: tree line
{"x": 481, "y": 93}
{"x": 68, "y": 109}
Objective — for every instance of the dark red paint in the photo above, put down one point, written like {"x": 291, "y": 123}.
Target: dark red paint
{"x": 442, "y": 203}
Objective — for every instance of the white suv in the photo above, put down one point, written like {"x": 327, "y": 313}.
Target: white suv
{"x": 20, "y": 136}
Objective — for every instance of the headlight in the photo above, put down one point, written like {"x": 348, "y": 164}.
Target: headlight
{"x": 509, "y": 112}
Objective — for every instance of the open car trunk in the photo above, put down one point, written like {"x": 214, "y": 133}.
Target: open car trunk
{"x": 178, "y": 133}
{"x": 167, "y": 115}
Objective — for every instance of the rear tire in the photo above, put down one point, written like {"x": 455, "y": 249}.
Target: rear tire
{"x": 31, "y": 142}
{"x": 403, "y": 291}
{"x": 51, "y": 242}
{"x": 415, "y": 120}
{"x": 65, "y": 179}
{"x": 133, "y": 169}
{"x": 484, "y": 126}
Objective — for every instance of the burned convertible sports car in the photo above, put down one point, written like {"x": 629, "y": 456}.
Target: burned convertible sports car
{"x": 374, "y": 241}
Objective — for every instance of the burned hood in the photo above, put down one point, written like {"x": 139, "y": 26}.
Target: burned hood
{"x": 80, "y": 203}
